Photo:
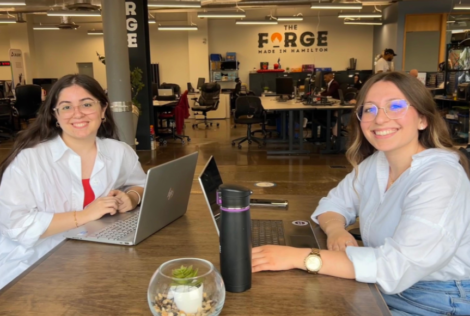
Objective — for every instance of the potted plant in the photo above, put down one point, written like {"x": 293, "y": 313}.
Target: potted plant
{"x": 287, "y": 69}
{"x": 266, "y": 89}
{"x": 187, "y": 290}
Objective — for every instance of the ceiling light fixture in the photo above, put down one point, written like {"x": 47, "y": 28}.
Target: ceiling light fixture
{"x": 363, "y": 22}
{"x": 336, "y": 6}
{"x": 95, "y": 32}
{"x": 256, "y": 22}
{"x": 6, "y": 20}
{"x": 45, "y": 28}
{"x": 73, "y": 13}
{"x": 459, "y": 31}
{"x": 152, "y": 21}
{"x": 13, "y": 2}
{"x": 289, "y": 18}
{"x": 360, "y": 15}
{"x": 449, "y": 22}
{"x": 177, "y": 28}
{"x": 221, "y": 15}
{"x": 462, "y": 6}
{"x": 174, "y": 4}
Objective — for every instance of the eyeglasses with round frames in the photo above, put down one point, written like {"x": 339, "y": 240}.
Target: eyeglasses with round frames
{"x": 394, "y": 110}
{"x": 66, "y": 111}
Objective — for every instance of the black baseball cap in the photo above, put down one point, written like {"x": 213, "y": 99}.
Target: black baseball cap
{"x": 389, "y": 51}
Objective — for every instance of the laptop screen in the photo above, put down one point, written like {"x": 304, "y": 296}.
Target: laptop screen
{"x": 210, "y": 180}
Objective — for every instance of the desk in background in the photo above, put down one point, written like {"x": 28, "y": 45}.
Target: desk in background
{"x": 86, "y": 278}
{"x": 291, "y": 106}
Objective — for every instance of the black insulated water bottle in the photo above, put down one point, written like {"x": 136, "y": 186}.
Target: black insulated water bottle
{"x": 235, "y": 237}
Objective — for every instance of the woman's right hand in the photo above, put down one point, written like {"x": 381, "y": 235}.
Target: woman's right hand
{"x": 100, "y": 207}
{"x": 339, "y": 239}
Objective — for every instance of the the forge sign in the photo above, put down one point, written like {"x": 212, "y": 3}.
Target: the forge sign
{"x": 290, "y": 42}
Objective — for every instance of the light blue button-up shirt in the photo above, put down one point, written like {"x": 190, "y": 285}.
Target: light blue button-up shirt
{"x": 417, "y": 230}
{"x": 45, "y": 180}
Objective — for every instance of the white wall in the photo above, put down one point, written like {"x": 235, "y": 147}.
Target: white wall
{"x": 385, "y": 36}
{"x": 171, "y": 51}
{"x": 198, "y": 43}
{"x": 5, "y": 72}
{"x": 344, "y": 42}
{"x": 58, "y": 52}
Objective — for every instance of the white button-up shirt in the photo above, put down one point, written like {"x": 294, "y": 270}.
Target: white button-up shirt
{"x": 47, "y": 179}
{"x": 417, "y": 230}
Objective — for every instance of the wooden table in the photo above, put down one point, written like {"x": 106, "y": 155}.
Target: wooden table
{"x": 291, "y": 106}
{"x": 85, "y": 278}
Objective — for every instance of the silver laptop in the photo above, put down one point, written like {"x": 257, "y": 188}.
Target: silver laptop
{"x": 298, "y": 233}
{"x": 165, "y": 92}
{"x": 165, "y": 199}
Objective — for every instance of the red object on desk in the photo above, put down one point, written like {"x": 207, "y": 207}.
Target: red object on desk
{"x": 270, "y": 70}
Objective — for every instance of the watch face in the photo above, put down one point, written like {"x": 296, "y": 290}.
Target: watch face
{"x": 313, "y": 263}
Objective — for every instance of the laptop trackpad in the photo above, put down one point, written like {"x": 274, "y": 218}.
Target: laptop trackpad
{"x": 302, "y": 241}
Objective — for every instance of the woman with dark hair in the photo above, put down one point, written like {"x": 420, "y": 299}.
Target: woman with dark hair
{"x": 411, "y": 189}
{"x": 68, "y": 168}
{"x": 357, "y": 83}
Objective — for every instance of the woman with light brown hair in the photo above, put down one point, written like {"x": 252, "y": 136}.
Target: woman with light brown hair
{"x": 411, "y": 189}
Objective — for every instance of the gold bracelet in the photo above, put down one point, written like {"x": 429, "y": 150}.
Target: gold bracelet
{"x": 335, "y": 220}
{"x": 75, "y": 218}
{"x": 138, "y": 195}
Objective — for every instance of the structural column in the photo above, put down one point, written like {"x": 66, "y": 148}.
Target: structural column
{"x": 117, "y": 68}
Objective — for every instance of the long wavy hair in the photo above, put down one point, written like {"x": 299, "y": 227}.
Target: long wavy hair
{"x": 44, "y": 128}
{"x": 436, "y": 134}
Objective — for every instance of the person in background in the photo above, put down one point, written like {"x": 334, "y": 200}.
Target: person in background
{"x": 414, "y": 73}
{"x": 411, "y": 189}
{"x": 331, "y": 84}
{"x": 68, "y": 168}
{"x": 357, "y": 83}
{"x": 385, "y": 63}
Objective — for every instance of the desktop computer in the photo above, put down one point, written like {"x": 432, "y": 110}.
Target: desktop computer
{"x": 284, "y": 88}
{"x": 318, "y": 82}
{"x": 200, "y": 83}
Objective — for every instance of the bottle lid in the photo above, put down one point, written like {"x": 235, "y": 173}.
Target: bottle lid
{"x": 234, "y": 191}
{"x": 232, "y": 196}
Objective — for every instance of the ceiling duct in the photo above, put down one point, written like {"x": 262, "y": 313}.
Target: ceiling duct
{"x": 65, "y": 24}
{"x": 82, "y": 5}
{"x": 20, "y": 18}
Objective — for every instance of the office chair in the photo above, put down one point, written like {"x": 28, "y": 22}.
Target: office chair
{"x": 249, "y": 111}
{"x": 6, "y": 130}
{"x": 350, "y": 94}
{"x": 173, "y": 86}
{"x": 175, "y": 120}
{"x": 208, "y": 101}
{"x": 28, "y": 101}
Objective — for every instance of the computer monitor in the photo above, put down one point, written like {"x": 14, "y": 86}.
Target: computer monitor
{"x": 284, "y": 86}
{"x": 8, "y": 89}
{"x": 2, "y": 89}
{"x": 200, "y": 83}
{"x": 45, "y": 83}
{"x": 155, "y": 88}
{"x": 318, "y": 81}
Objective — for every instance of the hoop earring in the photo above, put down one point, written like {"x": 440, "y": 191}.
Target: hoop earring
{"x": 103, "y": 120}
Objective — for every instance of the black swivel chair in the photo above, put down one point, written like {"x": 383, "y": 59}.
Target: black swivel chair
{"x": 249, "y": 111}
{"x": 28, "y": 102}
{"x": 6, "y": 126}
{"x": 350, "y": 94}
{"x": 173, "y": 86}
{"x": 208, "y": 101}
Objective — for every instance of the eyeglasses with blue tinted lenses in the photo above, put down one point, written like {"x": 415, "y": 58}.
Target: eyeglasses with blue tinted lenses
{"x": 394, "y": 110}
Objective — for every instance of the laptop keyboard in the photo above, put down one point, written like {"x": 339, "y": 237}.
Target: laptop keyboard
{"x": 120, "y": 229}
{"x": 267, "y": 232}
